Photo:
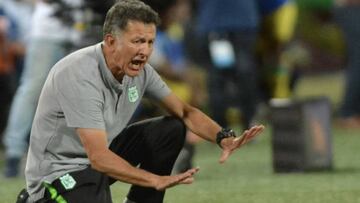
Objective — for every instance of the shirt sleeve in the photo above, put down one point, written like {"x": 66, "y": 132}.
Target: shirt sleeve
{"x": 80, "y": 100}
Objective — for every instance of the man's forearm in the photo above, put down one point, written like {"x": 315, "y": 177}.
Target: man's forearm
{"x": 200, "y": 124}
{"x": 119, "y": 169}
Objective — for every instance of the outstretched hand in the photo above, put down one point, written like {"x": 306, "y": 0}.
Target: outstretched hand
{"x": 229, "y": 145}
{"x": 183, "y": 178}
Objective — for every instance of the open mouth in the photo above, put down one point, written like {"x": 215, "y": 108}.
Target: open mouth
{"x": 137, "y": 64}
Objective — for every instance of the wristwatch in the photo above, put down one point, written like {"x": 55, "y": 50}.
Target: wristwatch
{"x": 224, "y": 133}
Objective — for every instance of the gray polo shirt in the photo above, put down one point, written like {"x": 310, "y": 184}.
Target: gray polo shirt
{"x": 81, "y": 92}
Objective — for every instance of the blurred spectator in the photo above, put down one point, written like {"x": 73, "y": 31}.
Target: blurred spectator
{"x": 229, "y": 29}
{"x": 9, "y": 51}
{"x": 277, "y": 29}
{"x": 170, "y": 60}
{"x": 49, "y": 40}
{"x": 348, "y": 14}
{"x": 15, "y": 23}
{"x": 20, "y": 12}
{"x": 57, "y": 27}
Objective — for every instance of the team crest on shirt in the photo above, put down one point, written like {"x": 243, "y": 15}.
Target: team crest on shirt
{"x": 67, "y": 181}
{"x": 133, "y": 94}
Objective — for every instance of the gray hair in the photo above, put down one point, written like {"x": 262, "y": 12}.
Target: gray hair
{"x": 123, "y": 11}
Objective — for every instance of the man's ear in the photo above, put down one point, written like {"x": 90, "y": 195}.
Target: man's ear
{"x": 109, "y": 39}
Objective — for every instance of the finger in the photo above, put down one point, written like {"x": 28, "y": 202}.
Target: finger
{"x": 254, "y": 130}
{"x": 224, "y": 156}
{"x": 183, "y": 176}
{"x": 187, "y": 174}
{"x": 187, "y": 180}
{"x": 196, "y": 169}
{"x": 248, "y": 135}
{"x": 258, "y": 128}
{"x": 242, "y": 139}
{"x": 192, "y": 171}
{"x": 255, "y": 133}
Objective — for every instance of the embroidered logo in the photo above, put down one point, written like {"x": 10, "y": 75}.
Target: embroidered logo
{"x": 133, "y": 94}
{"x": 67, "y": 181}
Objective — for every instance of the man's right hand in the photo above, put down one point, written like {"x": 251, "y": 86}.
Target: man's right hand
{"x": 165, "y": 182}
{"x": 106, "y": 161}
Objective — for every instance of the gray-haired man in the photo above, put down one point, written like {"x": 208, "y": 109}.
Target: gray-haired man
{"x": 81, "y": 141}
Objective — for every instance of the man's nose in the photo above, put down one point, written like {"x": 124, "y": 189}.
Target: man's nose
{"x": 145, "y": 50}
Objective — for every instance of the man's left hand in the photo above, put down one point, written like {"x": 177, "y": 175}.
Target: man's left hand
{"x": 229, "y": 145}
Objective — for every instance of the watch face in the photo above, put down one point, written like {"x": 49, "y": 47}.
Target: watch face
{"x": 229, "y": 132}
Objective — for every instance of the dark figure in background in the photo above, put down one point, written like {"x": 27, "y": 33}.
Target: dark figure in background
{"x": 9, "y": 51}
{"x": 171, "y": 62}
{"x": 230, "y": 29}
{"x": 348, "y": 15}
{"x": 80, "y": 140}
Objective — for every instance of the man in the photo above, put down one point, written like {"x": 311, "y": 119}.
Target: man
{"x": 346, "y": 11}
{"x": 80, "y": 142}
{"x": 228, "y": 30}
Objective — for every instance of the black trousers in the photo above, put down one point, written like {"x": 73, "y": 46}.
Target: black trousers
{"x": 152, "y": 144}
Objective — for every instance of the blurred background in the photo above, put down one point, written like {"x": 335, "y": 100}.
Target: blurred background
{"x": 292, "y": 65}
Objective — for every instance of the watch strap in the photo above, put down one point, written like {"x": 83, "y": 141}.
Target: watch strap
{"x": 224, "y": 133}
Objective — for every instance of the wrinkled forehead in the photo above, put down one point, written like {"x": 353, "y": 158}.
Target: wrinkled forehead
{"x": 138, "y": 28}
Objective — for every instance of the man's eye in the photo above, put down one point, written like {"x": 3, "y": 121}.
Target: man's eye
{"x": 139, "y": 41}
